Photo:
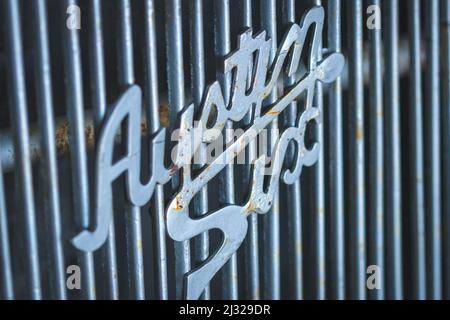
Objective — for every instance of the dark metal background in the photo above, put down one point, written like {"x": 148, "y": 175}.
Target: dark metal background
{"x": 378, "y": 195}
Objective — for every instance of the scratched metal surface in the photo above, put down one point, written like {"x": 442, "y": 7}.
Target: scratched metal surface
{"x": 81, "y": 186}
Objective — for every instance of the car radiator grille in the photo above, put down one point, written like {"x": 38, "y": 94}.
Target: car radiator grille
{"x": 376, "y": 201}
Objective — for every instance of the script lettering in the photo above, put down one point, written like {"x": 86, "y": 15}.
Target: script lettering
{"x": 232, "y": 219}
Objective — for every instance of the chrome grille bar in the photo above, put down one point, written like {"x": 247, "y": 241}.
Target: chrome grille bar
{"x": 152, "y": 96}
{"x": 99, "y": 105}
{"x": 49, "y": 160}
{"x": 432, "y": 154}
{"x": 336, "y": 164}
{"x": 19, "y": 119}
{"x": 356, "y": 201}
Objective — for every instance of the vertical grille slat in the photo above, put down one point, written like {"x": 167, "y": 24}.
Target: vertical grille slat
{"x": 49, "y": 167}
{"x": 376, "y": 161}
{"x": 198, "y": 86}
{"x": 356, "y": 201}
{"x": 417, "y": 155}
{"x": 271, "y": 221}
{"x": 394, "y": 269}
{"x": 19, "y": 120}
{"x": 75, "y": 115}
{"x": 320, "y": 191}
{"x": 7, "y": 285}
{"x": 99, "y": 107}
{"x": 226, "y": 178}
{"x": 294, "y": 191}
{"x": 432, "y": 153}
{"x": 252, "y": 242}
{"x": 176, "y": 91}
{"x": 446, "y": 142}
{"x": 336, "y": 164}
{"x": 132, "y": 213}
{"x": 151, "y": 95}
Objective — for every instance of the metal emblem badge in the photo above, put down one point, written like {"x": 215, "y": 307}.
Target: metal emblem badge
{"x": 232, "y": 219}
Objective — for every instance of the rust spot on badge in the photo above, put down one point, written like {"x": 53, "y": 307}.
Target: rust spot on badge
{"x": 273, "y": 113}
{"x": 250, "y": 208}
{"x": 178, "y": 205}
